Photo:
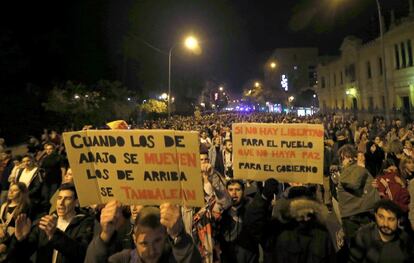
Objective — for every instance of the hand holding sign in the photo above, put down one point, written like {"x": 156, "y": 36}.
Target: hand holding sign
{"x": 110, "y": 215}
{"x": 171, "y": 218}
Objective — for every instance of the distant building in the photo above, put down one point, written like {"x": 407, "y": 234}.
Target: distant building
{"x": 353, "y": 82}
{"x": 290, "y": 71}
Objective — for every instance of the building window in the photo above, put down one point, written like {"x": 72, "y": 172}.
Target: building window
{"x": 369, "y": 73}
{"x": 342, "y": 78}
{"x": 350, "y": 72}
{"x": 409, "y": 53}
{"x": 370, "y": 103}
{"x": 383, "y": 102}
{"x": 380, "y": 66}
{"x": 312, "y": 76}
{"x": 336, "y": 104}
{"x": 334, "y": 79}
{"x": 323, "y": 84}
{"x": 403, "y": 55}
{"x": 343, "y": 104}
{"x": 397, "y": 56}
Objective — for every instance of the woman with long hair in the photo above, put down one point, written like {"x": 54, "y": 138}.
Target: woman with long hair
{"x": 32, "y": 177}
{"x": 17, "y": 203}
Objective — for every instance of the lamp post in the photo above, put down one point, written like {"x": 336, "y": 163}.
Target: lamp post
{"x": 383, "y": 64}
{"x": 191, "y": 43}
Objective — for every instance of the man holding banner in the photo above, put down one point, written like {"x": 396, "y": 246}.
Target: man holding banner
{"x": 159, "y": 236}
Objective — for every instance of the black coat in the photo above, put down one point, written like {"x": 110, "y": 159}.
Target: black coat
{"x": 368, "y": 247}
{"x": 71, "y": 244}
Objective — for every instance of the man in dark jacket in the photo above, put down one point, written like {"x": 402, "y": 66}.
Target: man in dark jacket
{"x": 159, "y": 237}
{"x": 54, "y": 166}
{"x": 58, "y": 238}
{"x": 383, "y": 241}
{"x": 235, "y": 245}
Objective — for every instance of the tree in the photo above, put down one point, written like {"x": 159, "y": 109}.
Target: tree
{"x": 96, "y": 104}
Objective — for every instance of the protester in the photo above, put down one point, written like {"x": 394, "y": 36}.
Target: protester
{"x": 159, "y": 236}
{"x": 17, "y": 203}
{"x": 235, "y": 244}
{"x": 60, "y": 237}
{"x": 383, "y": 241}
{"x": 32, "y": 177}
{"x": 356, "y": 196}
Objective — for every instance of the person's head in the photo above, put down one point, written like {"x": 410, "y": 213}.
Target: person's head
{"x": 203, "y": 134}
{"x": 347, "y": 154}
{"x": 377, "y": 140}
{"x": 68, "y": 178}
{"x": 389, "y": 166}
{"x": 28, "y": 161}
{"x": 387, "y": 217}
{"x": 217, "y": 141}
{"x": 235, "y": 188}
{"x": 395, "y": 147}
{"x": 228, "y": 145}
{"x": 204, "y": 157}
{"x": 407, "y": 167}
{"x": 17, "y": 192}
{"x": 149, "y": 235}
{"x": 67, "y": 201}
{"x": 6, "y": 155}
{"x": 49, "y": 148}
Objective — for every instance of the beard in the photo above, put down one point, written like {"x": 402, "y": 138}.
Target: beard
{"x": 386, "y": 231}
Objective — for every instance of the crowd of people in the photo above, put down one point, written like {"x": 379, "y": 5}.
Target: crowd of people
{"x": 362, "y": 213}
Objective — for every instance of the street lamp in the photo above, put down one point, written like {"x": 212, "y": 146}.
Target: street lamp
{"x": 192, "y": 44}
{"x": 273, "y": 65}
{"x": 256, "y": 84}
{"x": 383, "y": 65}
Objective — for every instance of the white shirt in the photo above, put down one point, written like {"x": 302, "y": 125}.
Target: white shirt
{"x": 27, "y": 176}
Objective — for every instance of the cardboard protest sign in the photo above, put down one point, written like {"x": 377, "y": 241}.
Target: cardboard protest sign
{"x": 147, "y": 167}
{"x": 286, "y": 152}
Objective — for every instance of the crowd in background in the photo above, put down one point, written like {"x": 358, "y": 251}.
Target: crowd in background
{"x": 362, "y": 213}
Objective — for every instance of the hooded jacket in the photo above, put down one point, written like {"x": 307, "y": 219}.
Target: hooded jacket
{"x": 356, "y": 194}
{"x": 301, "y": 233}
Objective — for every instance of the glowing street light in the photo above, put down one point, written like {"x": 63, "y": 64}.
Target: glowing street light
{"x": 273, "y": 65}
{"x": 164, "y": 96}
{"x": 291, "y": 98}
{"x": 256, "y": 84}
{"x": 190, "y": 43}
{"x": 221, "y": 88}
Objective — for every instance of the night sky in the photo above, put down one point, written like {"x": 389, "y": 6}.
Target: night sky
{"x": 85, "y": 40}
{"x": 45, "y": 43}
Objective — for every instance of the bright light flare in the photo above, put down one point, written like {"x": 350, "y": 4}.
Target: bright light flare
{"x": 191, "y": 42}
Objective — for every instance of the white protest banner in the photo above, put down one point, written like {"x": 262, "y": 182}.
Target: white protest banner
{"x": 286, "y": 152}
{"x": 147, "y": 167}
